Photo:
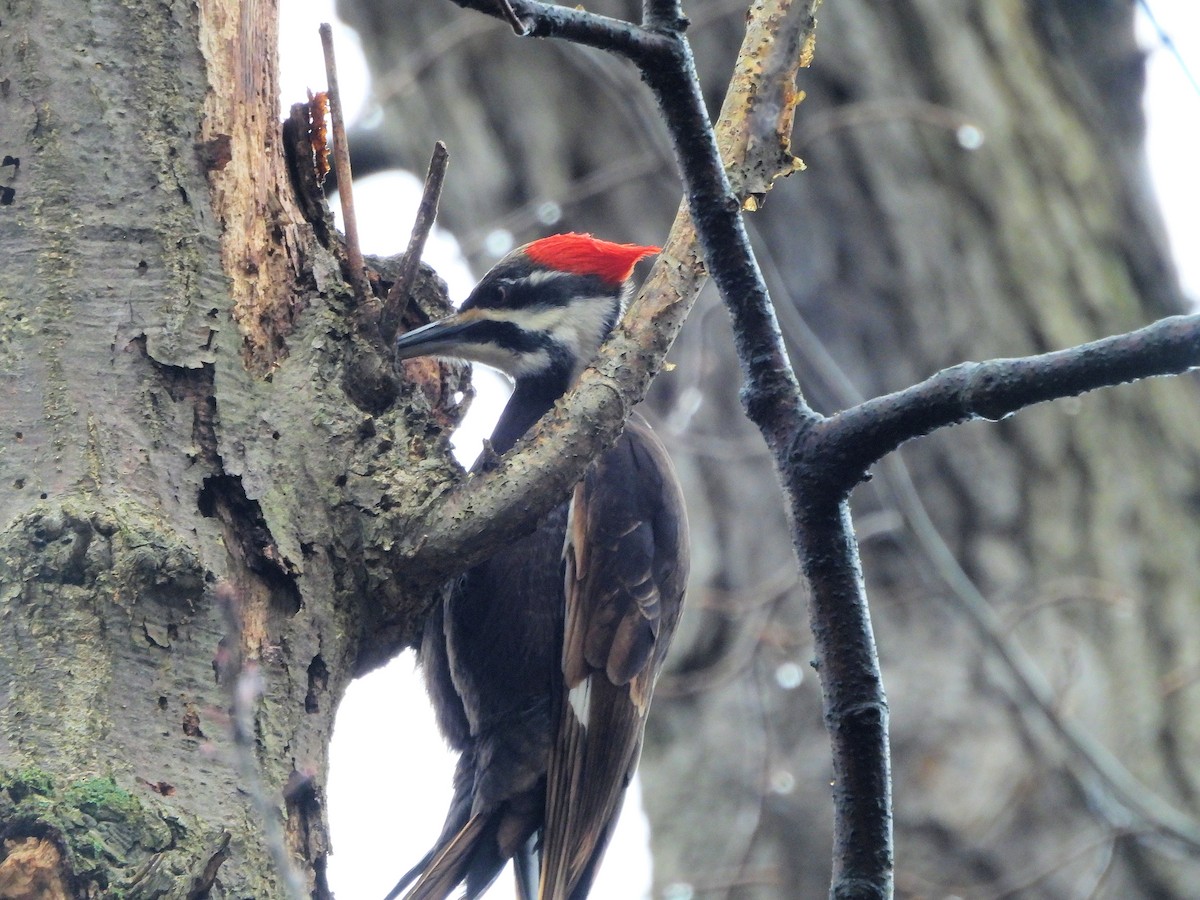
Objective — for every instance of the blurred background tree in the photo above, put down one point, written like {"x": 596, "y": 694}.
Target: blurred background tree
{"x": 976, "y": 188}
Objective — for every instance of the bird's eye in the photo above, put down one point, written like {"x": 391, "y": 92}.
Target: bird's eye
{"x": 489, "y": 294}
{"x": 495, "y": 294}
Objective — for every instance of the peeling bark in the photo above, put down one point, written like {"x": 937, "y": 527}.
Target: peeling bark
{"x": 175, "y": 339}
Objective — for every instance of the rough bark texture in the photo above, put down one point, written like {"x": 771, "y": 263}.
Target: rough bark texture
{"x": 174, "y": 340}
{"x": 899, "y": 252}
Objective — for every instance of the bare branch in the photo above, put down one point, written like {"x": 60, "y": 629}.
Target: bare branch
{"x": 341, "y": 167}
{"x": 397, "y": 297}
{"x": 829, "y": 458}
{"x": 855, "y": 706}
{"x": 577, "y": 26}
{"x": 520, "y": 29}
{"x": 663, "y": 14}
{"x": 857, "y": 437}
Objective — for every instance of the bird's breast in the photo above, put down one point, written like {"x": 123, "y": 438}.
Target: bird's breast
{"x": 504, "y": 624}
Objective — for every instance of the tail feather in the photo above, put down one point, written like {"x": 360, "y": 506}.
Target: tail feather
{"x": 457, "y": 861}
{"x": 525, "y": 866}
{"x": 457, "y": 819}
{"x": 408, "y": 877}
{"x": 473, "y": 856}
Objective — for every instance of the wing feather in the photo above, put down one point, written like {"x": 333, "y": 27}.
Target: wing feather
{"x": 625, "y": 569}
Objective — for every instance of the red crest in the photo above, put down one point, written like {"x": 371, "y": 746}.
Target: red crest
{"x": 583, "y": 254}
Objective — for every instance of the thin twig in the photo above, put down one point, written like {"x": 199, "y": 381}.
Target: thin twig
{"x": 882, "y": 112}
{"x": 520, "y": 29}
{"x": 397, "y": 297}
{"x": 440, "y": 46}
{"x": 580, "y": 27}
{"x": 341, "y": 166}
{"x": 856, "y": 438}
{"x": 758, "y": 692}
{"x": 1106, "y": 842}
{"x": 1167, "y": 41}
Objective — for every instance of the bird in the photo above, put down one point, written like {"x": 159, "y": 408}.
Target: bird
{"x": 540, "y": 662}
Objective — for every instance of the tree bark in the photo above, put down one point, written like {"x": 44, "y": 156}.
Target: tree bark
{"x": 177, "y": 352}
{"x": 906, "y": 247}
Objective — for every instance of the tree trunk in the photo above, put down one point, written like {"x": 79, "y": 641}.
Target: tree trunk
{"x": 174, "y": 342}
{"x": 907, "y": 246}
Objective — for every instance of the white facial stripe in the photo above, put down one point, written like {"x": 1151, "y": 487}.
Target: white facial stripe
{"x": 542, "y": 276}
{"x": 515, "y": 364}
{"x": 579, "y": 327}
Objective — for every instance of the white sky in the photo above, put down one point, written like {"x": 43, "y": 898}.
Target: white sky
{"x": 389, "y": 770}
{"x": 1173, "y": 142}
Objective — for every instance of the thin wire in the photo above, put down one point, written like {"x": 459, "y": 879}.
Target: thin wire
{"x": 1168, "y": 42}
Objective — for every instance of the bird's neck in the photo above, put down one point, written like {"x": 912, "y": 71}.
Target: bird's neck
{"x": 531, "y": 399}
{"x": 535, "y": 393}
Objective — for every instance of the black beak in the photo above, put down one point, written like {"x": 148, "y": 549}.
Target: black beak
{"x": 434, "y": 339}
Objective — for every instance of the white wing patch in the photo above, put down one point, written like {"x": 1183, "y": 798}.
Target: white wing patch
{"x": 580, "y": 698}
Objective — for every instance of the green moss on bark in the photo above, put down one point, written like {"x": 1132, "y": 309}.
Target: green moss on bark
{"x": 100, "y": 828}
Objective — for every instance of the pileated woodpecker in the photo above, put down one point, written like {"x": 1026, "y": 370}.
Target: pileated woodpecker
{"x": 541, "y": 661}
